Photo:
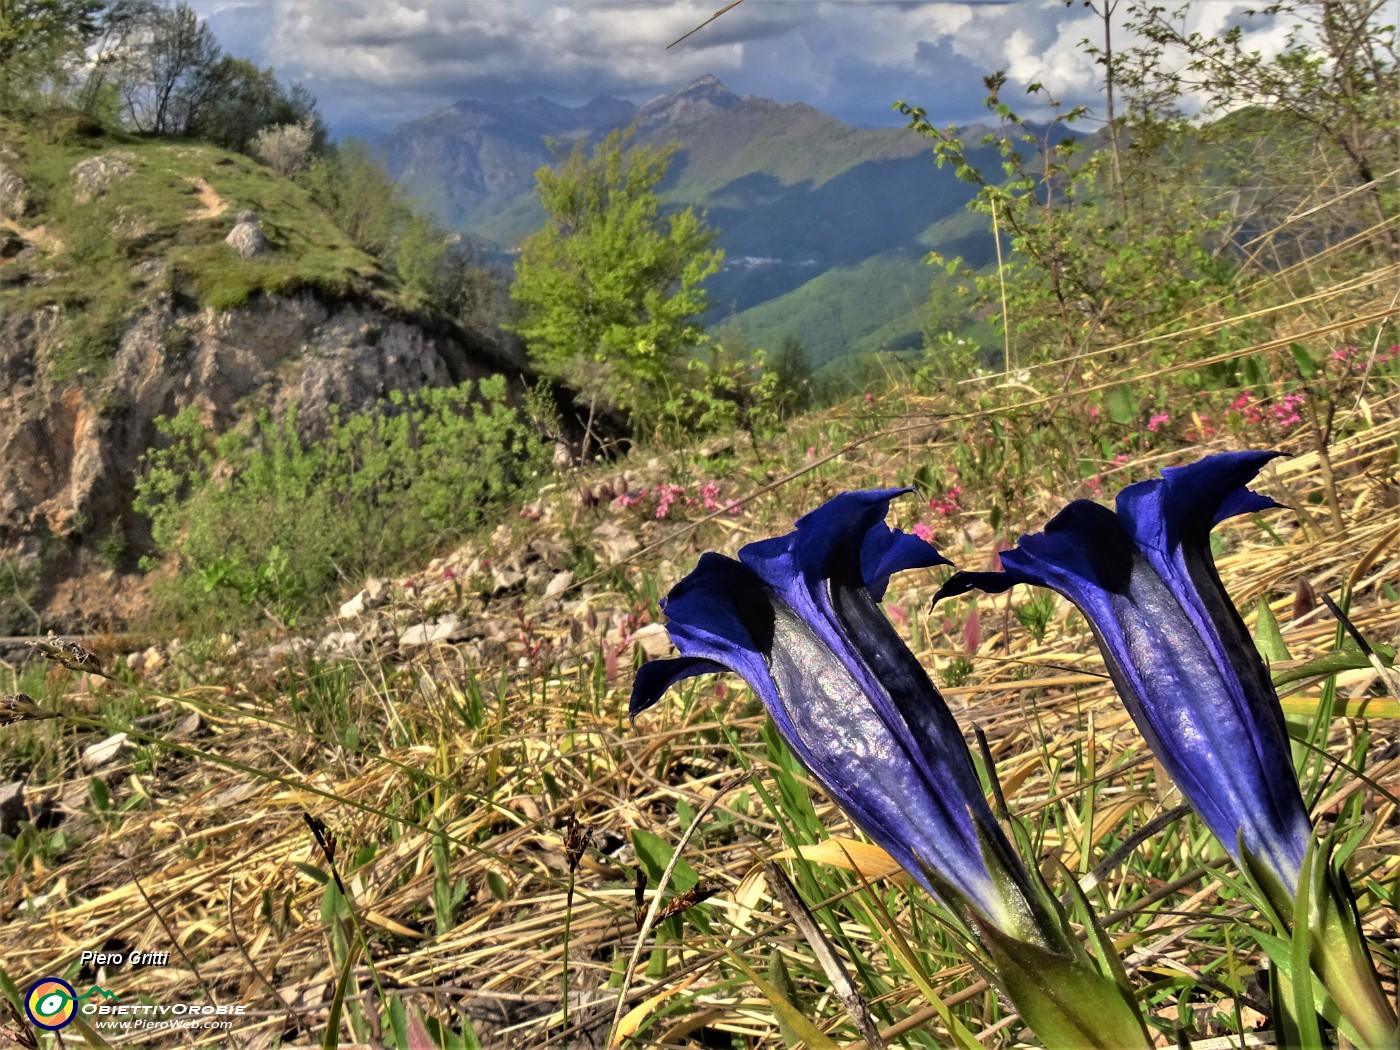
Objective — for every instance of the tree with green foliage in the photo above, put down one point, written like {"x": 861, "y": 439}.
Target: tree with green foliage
{"x": 793, "y": 372}
{"x": 610, "y": 290}
{"x": 1101, "y": 245}
{"x": 1337, "y": 79}
{"x": 166, "y": 77}
{"x": 40, "y": 40}
{"x": 245, "y": 100}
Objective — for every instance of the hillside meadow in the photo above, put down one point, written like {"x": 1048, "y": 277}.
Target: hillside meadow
{"x": 468, "y": 843}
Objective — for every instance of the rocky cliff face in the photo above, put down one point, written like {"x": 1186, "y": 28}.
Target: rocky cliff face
{"x": 70, "y": 450}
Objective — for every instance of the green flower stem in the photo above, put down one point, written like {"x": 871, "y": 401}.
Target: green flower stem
{"x": 1343, "y": 963}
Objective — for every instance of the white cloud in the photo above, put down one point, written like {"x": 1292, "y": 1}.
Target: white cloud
{"x": 375, "y": 62}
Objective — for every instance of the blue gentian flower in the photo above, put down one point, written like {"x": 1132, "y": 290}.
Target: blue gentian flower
{"x": 798, "y": 618}
{"x": 1175, "y": 645}
{"x": 1193, "y": 681}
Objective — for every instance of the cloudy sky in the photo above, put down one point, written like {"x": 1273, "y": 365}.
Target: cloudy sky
{"x": 375, "y": 63}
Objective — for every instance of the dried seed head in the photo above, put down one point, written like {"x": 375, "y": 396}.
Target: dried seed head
{"x": 684, "y": 901}
{"x": 68, "y": 653}
{"x": 21, "y": 1033}
{"x": 639, "y": 900}
{"x": 577, "y": 837}
{"x": 18, "y": 707}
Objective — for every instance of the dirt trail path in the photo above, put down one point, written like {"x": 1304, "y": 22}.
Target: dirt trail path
{"x": 36, "y": 235}
{"x": 211, "y": 204}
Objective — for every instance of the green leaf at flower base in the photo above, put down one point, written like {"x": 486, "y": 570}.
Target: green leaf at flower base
{"x": 1301, "y": 1013}
{"x": 1320, "y": 941}
{"x": 1340, "y": 955}
{"x": 1268, "y": 636}
{"x": 1063, "y": 999}
{"x": 1061, "y": 992}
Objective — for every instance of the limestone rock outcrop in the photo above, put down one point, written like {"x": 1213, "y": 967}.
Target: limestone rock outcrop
{"x": 70, "y": 448}
{"x": 92, "y": 175}
{"x": 14, "y": 194}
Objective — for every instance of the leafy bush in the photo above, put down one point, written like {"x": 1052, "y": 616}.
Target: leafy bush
{"x": 610, "y": 291}
{"x": 270, "y": 521}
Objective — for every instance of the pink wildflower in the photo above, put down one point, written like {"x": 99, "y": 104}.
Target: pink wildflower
{"x": 946, "y": 504}
{"x": 666, "y": 495}
{"x": 923, "y": 532}
{"x": 1286, "y": 410}
{"x": 1155, "y": 423}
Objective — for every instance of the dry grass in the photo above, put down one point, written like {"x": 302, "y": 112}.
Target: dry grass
{"x": 222, "y": 853}
{"x": 449, "y": 785}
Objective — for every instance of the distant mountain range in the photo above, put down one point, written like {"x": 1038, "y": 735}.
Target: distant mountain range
{"x": 800, "y": 198}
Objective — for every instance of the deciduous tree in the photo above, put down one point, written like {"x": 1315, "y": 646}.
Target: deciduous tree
{"x": 39, "y": 39}
{"x": 610, "y": 290}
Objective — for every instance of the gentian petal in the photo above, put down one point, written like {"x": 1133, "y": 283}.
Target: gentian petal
{"x": 721, "y": 619}
{"x": 1176, "y": 647}
{"x": 656, "y": 676}
{"x": 797, "y": 617}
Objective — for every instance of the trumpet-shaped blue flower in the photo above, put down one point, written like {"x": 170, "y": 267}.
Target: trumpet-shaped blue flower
{"x": 1191, "y": 678}
{"x": 1175, "y": 646}
{"x": 798, "y": 617}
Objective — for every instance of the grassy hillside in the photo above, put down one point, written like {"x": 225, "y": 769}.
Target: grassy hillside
{"x": 159, "y": 228}
{"x": 490, "y": 809}
{"x": 841, "y": 310}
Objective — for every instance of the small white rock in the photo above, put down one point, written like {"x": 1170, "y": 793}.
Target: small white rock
{"x": 105, "y": 751}
{"x": 443, "y": 629}
{"x": 559, "y": 584}
{"x": 652, "y": 640}
{"x": 339, "y": 642}
{"x": 354, "y": 607}
{"x": 615, "y": 543}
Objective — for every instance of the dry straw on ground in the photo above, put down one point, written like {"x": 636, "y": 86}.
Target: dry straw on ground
{"x": 218, "y": 844}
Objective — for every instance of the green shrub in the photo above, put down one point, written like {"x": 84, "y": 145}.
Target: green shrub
{"x": 284, "y": 522}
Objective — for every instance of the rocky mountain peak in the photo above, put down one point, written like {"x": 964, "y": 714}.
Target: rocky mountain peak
{"x": 703, "y": 97}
